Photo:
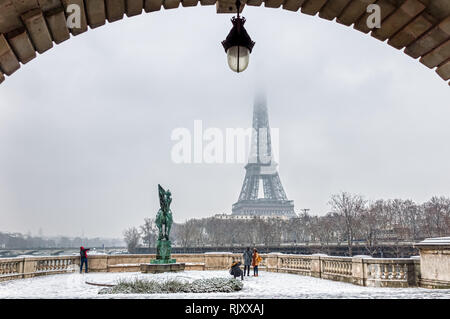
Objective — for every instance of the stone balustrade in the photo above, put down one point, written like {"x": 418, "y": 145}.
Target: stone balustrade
{"x": 360, "y": 270}
{"x": 10, "y": 267}
{"x": 16, "y": 268}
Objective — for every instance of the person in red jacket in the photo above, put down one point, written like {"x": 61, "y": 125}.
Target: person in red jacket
{"x": 84, "y": 259}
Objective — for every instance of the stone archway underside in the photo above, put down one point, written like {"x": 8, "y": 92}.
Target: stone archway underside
{"x": 419, "y": 27}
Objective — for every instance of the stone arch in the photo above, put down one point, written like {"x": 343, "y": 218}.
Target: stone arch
{"x": 421, "y": 28}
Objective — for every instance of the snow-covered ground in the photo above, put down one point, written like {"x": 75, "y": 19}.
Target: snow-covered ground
{"x": 267, "y": 285}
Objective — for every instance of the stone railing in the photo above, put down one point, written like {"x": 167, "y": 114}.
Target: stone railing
{"x": 398, "y": 272}
{"x": 365, "y": 271}
{"x": 16, "y": 268}
{"x": 10, "y": 268}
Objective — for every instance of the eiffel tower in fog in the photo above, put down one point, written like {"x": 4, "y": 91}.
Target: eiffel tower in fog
{"x": 262, "y": 193}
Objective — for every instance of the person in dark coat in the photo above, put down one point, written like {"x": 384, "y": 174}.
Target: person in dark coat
{"x": 247, "y": 260}
{"x": 236, "y": 271}
{"x": 84, "y": 259}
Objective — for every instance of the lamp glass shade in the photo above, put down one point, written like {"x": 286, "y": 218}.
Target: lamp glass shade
{"x": 238, "y": 58}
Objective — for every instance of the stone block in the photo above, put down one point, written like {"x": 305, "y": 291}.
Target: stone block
{"x": 83, "y": 21}
{"x": 293, "y": 5}
{"x": 430, "y": 40}
{"x": 444, "y": 70}
{"x": 332, "y": 9}
{"x": 10, "y": 20}
{"x": 225, "y": 6}
{"x": 57, "y": 24}
{"x": 353, "y": 11}
{"x": 437, "y": 56}
{"x": 438, "y": 8}
{"x": 435, "y": 262}
{"x": 134, "y": 7}
{"x": 152, "y": 5}
{"x": 47, "y": 5}
{"x": 96, "y": 13}
{"x": 189, "y": 3}
{"x": 397, "y": 20}
{"x": 311, "y": 7}
{"x": 21, "y": 45}
{"x": 316, "y": 270}
{"x": 255, "y": 3}
{"x": 273, "y": 3}
{"x": 195, "y": 266}
{"x": 98, "y": 263}
{"x": 412, "y": 31}
{"x": 386, "y": 8}
{"x": 38, "y": 30}
{"x": 272, "y": 262}
{"x": 161, "y": 268}
{"x": 171, "y": 4}
{"x": 358, "y": 271}
{"x": 115, "y": 9}
{"x": 8, "y": 60}
{"x": 25, "y": 5}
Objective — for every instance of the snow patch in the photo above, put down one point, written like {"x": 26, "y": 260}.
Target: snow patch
{"x": 267, "y": 285}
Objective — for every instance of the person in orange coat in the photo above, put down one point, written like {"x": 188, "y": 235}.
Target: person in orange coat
{"x": 256, "y": 259}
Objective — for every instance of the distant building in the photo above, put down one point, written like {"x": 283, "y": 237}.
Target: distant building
{"x": 248, "y": 217}
{"x": 262, "y": 193}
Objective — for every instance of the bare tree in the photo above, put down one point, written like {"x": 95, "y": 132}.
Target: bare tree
{"x": 149, "y": 232}
{"x": 189, "y": 233}
{"x": 348, "y": 206}
{"x": 370, "y": 225}
{"x": 437, "y": 215}
{"x": 132, "y": 238}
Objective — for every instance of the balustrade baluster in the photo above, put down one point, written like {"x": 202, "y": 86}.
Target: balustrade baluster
{"x": 391, "y": 271}
{"x": 405, "y": 272}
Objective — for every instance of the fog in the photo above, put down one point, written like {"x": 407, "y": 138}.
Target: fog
{"x": 85, "y": 128}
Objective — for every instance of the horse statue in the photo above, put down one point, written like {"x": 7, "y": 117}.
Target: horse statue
{"x": 164, "y": 216}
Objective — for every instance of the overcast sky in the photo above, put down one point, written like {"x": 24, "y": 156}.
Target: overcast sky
{"x": 85, "y": 129}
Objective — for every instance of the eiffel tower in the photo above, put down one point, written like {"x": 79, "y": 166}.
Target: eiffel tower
{"x": 262, "y": 193}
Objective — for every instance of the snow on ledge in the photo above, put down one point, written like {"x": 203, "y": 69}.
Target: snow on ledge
{"x": 435, "y": 241}
{"x": 218, "y": 252}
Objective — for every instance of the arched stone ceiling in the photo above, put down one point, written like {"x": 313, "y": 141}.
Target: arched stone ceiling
{"x": 421, "y": 28}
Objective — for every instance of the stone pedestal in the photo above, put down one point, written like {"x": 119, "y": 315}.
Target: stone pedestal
{"x": 434, "y": 262}
{"x": 160, "y": 268}
{"x": 163, "y": 262}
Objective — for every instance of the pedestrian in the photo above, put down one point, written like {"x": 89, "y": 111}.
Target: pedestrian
{"x": 247, "y": 260}
{"x": 83, "y": 259}
{"x": 256, "y": 259}
{"x": 236, "y": 270}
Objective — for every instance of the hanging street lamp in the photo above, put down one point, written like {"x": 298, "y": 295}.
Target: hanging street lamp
{"x": 238, "y": 45}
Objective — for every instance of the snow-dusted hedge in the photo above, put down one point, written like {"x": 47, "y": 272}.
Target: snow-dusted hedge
{"x": 142, "y": 286}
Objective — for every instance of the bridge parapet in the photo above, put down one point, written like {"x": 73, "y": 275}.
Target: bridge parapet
{"x": 360, "y": 270}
